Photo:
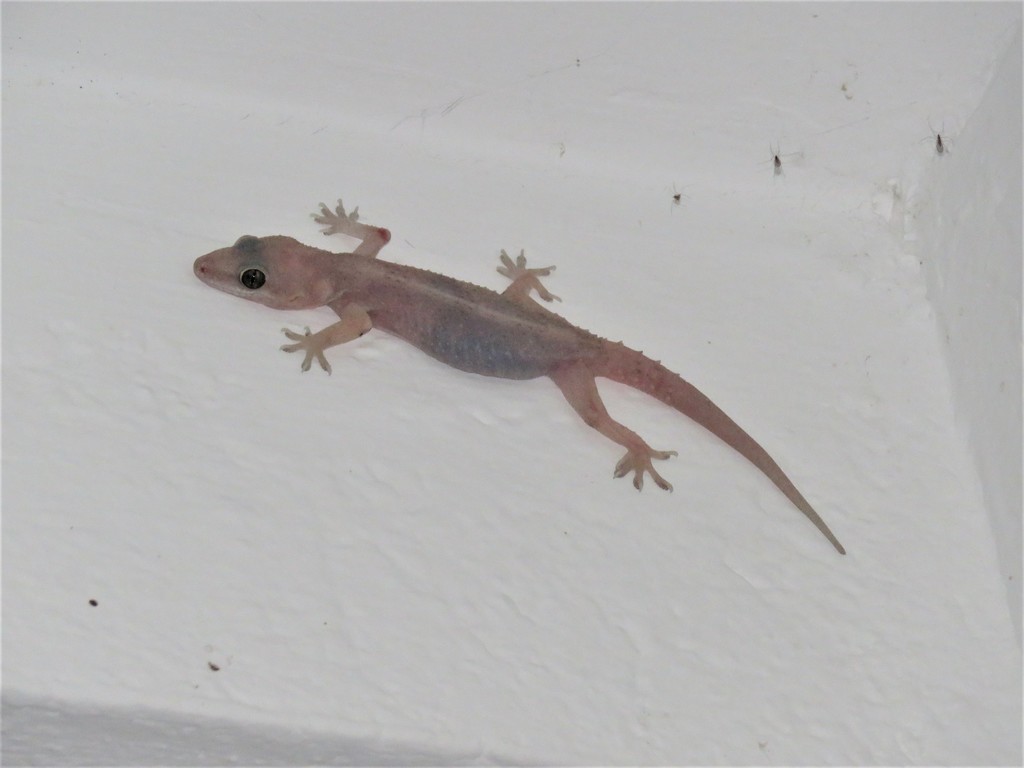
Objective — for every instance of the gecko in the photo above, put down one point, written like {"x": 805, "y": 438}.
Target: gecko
{"x": 507, "y": 335}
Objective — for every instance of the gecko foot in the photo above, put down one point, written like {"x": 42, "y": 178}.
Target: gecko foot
{"x": 639, "y": 463}
{"x": 524, "y": 278}
{"x": 338, "y": 221}
{"x": 310, "y": 344}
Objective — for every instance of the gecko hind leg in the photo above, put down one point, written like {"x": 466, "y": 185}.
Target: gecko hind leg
{"x": 524, "y": 279}
{"x": 577, "y": 384}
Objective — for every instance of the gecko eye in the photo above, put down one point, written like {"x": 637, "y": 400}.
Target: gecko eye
{"x": 252, "y": 278}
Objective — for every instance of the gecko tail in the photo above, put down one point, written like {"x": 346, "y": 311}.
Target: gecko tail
{"x": 627, "y": 366}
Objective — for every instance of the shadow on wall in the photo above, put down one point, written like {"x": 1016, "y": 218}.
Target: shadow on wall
{"x": 41, "y": 732}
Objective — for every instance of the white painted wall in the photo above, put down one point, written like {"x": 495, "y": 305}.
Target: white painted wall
{"x": 969, "y": 226}
{"x": 401, "y": 563}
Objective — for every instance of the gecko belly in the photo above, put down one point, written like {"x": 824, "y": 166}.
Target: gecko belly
{"x": 487, "y": 345}
{"x": 487, "y": 356}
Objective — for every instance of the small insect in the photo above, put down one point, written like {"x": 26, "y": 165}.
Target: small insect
{"x": 940, "y": 145}
{"x": 677, "y": 195}
{"x": 93, "y": 603}
{"x": 776, "y": 160}
{"x": 213, "y": 667}
{"x": 777, "y": 156}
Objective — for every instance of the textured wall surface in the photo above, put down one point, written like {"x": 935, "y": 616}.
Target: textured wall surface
{"x": 210, "y": 557}
{"x": 969, "y": 222}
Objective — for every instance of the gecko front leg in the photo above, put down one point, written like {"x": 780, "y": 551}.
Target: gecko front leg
{"x": 354, "y": 323}
{"x": 524, "y": 279}
{"x": 339, "y": 222}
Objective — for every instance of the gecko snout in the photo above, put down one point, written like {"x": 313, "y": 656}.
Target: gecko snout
{"x": 206, "y": 270}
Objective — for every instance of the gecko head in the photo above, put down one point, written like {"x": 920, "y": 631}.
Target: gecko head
{"x": 276, "y": 271}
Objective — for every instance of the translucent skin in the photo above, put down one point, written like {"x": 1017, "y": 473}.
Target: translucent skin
{"x": 507, "y": 335}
